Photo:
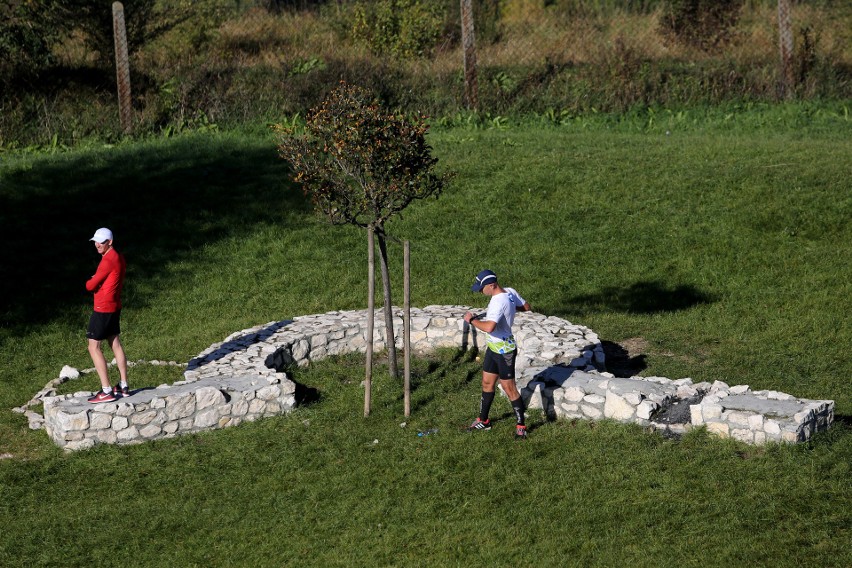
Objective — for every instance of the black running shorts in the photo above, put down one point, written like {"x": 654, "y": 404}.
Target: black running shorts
{"x": 502, "y": 365}
{"x": 103, "y": 325}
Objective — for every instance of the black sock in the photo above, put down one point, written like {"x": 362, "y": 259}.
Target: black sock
{"x": 518, "y": 407}
{"x": 485, "y": 405}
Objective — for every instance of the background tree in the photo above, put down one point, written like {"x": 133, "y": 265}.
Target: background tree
{"x": 361, "y": 165}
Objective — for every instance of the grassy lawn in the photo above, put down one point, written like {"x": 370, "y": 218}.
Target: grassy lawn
{"x": 713, "y": 252}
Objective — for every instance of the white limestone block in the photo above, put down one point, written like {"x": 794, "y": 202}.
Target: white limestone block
{"x": 142, "y": 418}
{"x": 84, "y": 444}
{"x": 150, "y": 431}
{"x": 69, "y": 372}
{"x": 181, "y": 406}
{"x": 634, "y": 398}
{"x": 72, "y": 422}
{"x": 100, "y": 421}
{"x": 755, "y": 422}
{"x": 127, "y": 435}
{"x": 718, "y": 428}
{"x": 695, "y": 414}
{"x": 268, "y": 393}
{"x": 735, "y": 417}
{"x": 107, "y": 437}
{"x": 594, "y": 399}
{"x": 574, "y": 394}
{"x": 591, "y": 411}
{"x": 711, "y": 411}
{"x": 206, "y": 418}
{"x": 617, "y": 408}
{"x": 743, "y": 435}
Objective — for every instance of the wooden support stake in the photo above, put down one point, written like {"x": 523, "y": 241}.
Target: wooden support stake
{"x": 371, "y": 313}
{"x": 407, "y": 326}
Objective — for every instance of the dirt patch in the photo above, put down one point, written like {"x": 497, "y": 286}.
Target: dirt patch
{"x": 625, "y": 359}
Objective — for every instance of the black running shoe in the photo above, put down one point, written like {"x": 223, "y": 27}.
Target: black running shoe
{"x": 119, "y": 390}
{"x": 479, "y": 425}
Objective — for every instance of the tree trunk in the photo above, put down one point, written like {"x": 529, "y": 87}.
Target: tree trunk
{"x": 390, "y": 340}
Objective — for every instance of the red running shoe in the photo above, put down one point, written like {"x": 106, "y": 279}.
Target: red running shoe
{"x": 102, "y": 397}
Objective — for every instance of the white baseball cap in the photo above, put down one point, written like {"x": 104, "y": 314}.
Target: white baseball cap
{"x": 101, "y": 235}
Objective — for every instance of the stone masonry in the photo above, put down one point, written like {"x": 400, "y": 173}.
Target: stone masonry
{"x": 559, "y": 368}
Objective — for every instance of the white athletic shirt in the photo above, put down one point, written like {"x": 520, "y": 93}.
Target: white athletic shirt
{"x": 501, "y": 309}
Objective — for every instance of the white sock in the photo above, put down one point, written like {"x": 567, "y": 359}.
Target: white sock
{"x": 107, "y": 390}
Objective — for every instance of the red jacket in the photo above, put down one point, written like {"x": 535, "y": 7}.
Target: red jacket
{"x": 108, "y": 281}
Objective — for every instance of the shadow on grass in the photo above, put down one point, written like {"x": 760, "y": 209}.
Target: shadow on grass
{"x": 639, "y": 298}
{"x": 620, "y": 362}
{"x": 440, "y": 370}
{"x": 163, "y": 202}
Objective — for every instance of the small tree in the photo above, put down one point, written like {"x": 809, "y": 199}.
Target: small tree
{"x": 361, "y": 165}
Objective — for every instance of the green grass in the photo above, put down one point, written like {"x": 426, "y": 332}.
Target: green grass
{"x": 725, "y": 252}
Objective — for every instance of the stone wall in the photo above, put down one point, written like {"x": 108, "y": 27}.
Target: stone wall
{"x": 166, "y": 411}
{"x": 559, "y": 369}
{"x": 755, "y": 417}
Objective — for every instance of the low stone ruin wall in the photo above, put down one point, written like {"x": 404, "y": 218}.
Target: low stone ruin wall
{"x": 559, "y": 369}
{"x": 543, "y": 341}
{"x": 755, "y": 417}
{"x": 166, "y": 411}
{"x": 761, "y": 416}
{"x": 236, "y": 368}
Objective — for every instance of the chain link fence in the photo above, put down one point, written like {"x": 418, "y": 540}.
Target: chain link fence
{"x": 199, "y": 64}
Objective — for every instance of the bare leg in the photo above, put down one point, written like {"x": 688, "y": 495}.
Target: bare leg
{"x": 510, "y": 388}
{"x": 100, "y": 362}
{"x": 120, "y": 357}
{"x": 489, "y": 381}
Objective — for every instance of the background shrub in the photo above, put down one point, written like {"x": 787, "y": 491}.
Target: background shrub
{"x": 706, "y": 24}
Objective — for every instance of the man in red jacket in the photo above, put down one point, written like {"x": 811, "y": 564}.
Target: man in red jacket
{"x": 104, "y": 323}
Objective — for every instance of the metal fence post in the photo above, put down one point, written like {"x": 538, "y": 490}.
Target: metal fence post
{"x": 471, "y": 89}
{"x": 122, "y": 67}
{"x": 785, "y": 44}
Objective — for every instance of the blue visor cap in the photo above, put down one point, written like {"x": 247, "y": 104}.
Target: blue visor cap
{"x": 482, "y": 279}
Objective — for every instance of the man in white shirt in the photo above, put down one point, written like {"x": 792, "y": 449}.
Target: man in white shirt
{"x": 501, "y": 350}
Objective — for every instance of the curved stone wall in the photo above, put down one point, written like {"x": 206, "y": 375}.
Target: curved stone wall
{"x": 559, "y": 369}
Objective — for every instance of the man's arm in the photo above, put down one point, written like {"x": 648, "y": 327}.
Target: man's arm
{"x": 99, "y": 277}
{"x": 482, "y": 325}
